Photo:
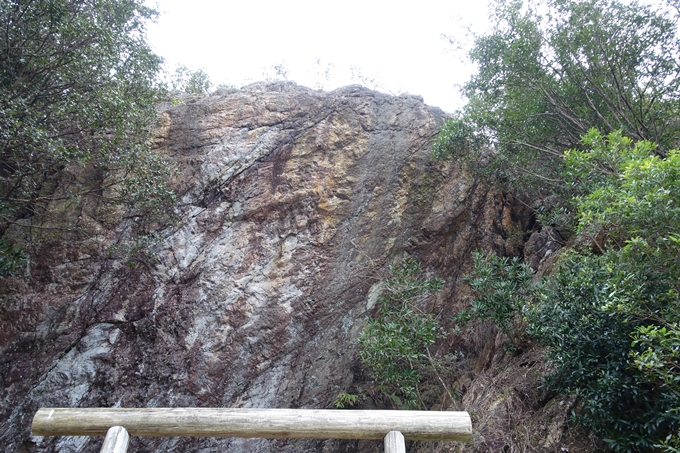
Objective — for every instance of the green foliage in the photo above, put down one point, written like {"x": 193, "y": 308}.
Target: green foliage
{"x": 393, "y": 346}
{"x": 589, "y": 341}
{"x": 552, "y": 75}
{"x": 457, "y": 139}
{"x": 77, "y": 96}
{"x": 588, "y": 170}
{"x": 345, "y": 399}
{"x": 657, "y": 354}
{"x": 550, "y": 70}
{"x": 191, "y": 82}
{"x": 640, "y": 199}
{"x": 503, "y": 287}
{"x": 671, "y": 444}
{"x": 596, "y": 304}
{"x": 609, "y": 321}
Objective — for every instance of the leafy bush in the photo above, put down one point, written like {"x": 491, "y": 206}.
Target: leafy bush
{"x": 393, "y": 345}
{"x": 589, "y": 342}
{"x": 609, "y": 320}
{"x": 597, "y": 304}
{"x": 656, "y": 353}
{"x": 503, "y": 287}
{"x": 190, "y": 81}
{"x": 457, "y": 139}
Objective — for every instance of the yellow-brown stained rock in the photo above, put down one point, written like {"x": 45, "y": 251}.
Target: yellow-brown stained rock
{"x": 292, "y": 204}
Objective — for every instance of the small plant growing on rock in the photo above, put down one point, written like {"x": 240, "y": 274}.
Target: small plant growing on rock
{"x": 345, "y": 399}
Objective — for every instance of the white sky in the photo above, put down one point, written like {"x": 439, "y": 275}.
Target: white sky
{"x": 395, "y": 48}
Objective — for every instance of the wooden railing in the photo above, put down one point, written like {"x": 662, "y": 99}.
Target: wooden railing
{"x": 119, "y": 424}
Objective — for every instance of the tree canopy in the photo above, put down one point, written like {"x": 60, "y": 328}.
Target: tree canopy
{"x": 551, "y": 70}
{"x": 579, "y": 101}
{"x": 190, "y": 81}
{"x": 77, "y": 90}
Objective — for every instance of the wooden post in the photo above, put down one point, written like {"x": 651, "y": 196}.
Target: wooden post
{"x": 265, "y": 423}
{"x": 394, "y": 442}
{"x": 116, "y": 441}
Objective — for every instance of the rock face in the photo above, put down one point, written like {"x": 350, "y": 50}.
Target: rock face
{"x": 293, "y": 203}
{"x": 541, "y": 246}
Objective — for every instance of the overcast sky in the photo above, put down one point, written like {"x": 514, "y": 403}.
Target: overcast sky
{"x": 322, "y": 44}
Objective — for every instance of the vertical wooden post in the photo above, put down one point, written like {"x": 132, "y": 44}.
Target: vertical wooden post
{"x": 394, "y": 442}
{"x": 116, "y": 441}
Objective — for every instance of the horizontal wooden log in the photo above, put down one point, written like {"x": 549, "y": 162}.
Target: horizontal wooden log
{"x": 244, "y": 422}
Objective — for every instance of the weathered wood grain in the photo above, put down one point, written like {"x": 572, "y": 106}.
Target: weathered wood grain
{"x": 394, "y": 442}
{"x": 245, "y": 422}
{"x": 116, "y": 441}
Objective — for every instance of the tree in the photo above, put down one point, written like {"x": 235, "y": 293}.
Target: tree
{"x": 191, "y": 82}
{"x": 549, "y": 71}
{"x": 600, "y": 79}
{"x": 77, "y": 97}
{"x": 609, "y": 320}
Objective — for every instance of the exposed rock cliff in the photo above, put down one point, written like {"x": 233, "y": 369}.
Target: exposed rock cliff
{"x": 293, "y": 202}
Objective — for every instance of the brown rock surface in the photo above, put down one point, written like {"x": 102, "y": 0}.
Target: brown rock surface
{"x": 293, "y": 202}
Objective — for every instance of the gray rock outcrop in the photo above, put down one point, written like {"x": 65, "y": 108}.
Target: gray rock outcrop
{"x": 292, "y": 204}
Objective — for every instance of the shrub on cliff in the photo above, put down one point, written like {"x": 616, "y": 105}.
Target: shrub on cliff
{"x": 503, "y": 286}
{"x": 77, "y": 91}
{"x": 190, "y": 81}
{"x": 394, "y": 344}
{"x": 549, "y": 73}
{"x": 610, "y": 319}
